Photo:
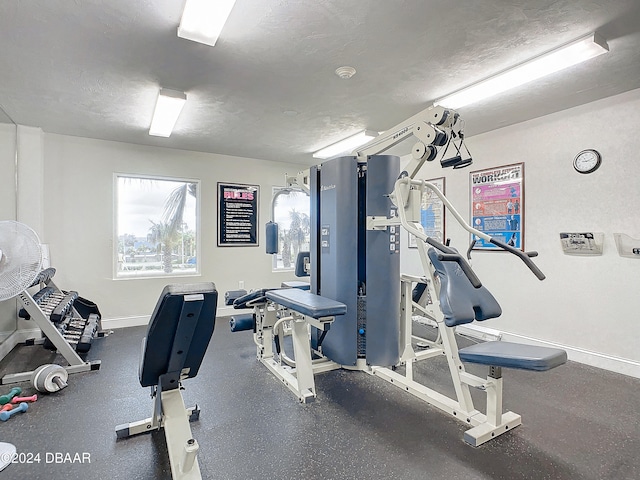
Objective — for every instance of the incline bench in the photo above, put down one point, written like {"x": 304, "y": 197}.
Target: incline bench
{"x": 461, "y": 303}
{"x": 177, "y": 338}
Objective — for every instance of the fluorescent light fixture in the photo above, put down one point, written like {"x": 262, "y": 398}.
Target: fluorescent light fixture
{"x": 575, "y": 52}
{"x": 203, "y": 20}
{"x": 168, "y": 108}
{"x": 346, "y": 146}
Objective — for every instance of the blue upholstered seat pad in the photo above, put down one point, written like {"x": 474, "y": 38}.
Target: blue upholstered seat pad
{"x": 307, "y": 303}
{"x": 513, "y": 355}
{"x": 296, "y": 284}
{"x": 251, "y": 297}
{"x": 161, "y": 333}
{"x": 460, "y": 301}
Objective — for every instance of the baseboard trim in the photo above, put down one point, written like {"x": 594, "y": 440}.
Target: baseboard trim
{"x": 141, "y": 320}
{"x": 124, "y": 322}
{"x": 16, "y": 338}
{"x": 595, "y": 359}
{"x": 580, "y": 355}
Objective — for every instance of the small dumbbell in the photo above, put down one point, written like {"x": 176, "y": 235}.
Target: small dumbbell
{"x": 6, "y": 407}
{"x": 4, "y": 399}
{"x": 32, "y": 398}
{"x": 4, "y": 416}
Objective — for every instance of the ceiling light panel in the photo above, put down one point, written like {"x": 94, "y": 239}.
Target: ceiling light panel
{"x": 345, "y": 146}
{"x": 575, "y": 52}
{"x": 203, "y": 20}
{"x": 168, "y": 108}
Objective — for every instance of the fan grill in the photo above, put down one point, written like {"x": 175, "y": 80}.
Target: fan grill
{"x": 20, "y": 258}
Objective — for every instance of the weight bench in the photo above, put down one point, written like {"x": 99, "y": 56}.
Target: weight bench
{"x": 177, "y": 338}
{"x": 462, "y": 303}
{"x": 272, "y": 308}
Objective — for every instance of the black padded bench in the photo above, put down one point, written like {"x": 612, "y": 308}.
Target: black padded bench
{"x": 177, "y": 338}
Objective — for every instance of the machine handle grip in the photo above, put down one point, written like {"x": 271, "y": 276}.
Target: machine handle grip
{"x": 456, "y": 257}
{"x": 471, "y": 245}
{"x": 524, "y": 256}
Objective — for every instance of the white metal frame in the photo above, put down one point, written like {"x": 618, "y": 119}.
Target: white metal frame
{"x": 76, "y": 364}
{"x": 114, "y": 260}
{"x": 170, "y": 414}
{"x": 297, "y": 374}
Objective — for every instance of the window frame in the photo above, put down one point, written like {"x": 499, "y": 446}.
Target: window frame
{"x": 274, "y": 256}
{"x": 116, "y": 275}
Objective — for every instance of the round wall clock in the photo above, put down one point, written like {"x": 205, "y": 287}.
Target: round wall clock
{"x": 587, "y": 161}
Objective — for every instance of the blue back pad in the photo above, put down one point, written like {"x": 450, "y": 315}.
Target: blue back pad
{"x": 162, "y": 352}
{"x": 460, "y": 301}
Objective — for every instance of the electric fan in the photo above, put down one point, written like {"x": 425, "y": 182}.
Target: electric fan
{"x": 20, "y": 258}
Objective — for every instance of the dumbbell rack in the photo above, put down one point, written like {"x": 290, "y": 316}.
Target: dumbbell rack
{"x": 44, "y": 316}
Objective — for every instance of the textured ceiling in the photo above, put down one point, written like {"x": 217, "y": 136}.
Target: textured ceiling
{"x": 268, "y": 90}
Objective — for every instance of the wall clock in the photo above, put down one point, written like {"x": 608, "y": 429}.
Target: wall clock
{"x": 587, "y": 161}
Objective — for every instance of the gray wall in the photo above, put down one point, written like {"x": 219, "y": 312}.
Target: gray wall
{"x": 79, "y": 212}
{"x": 588, "y": 303}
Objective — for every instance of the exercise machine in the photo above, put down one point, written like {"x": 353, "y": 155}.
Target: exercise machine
{"x": 177, "y": 338}
{"x": 359, "y": 206}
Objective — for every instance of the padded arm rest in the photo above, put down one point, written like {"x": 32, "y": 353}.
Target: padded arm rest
{"x": 513, "y": 355}
{"x": 307, "y": 303}
{"x": 257, "y": 296}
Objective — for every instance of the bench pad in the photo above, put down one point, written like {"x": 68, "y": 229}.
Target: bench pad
{"x": 307, "y": 303}
{"x": 296, "y": 284}
{"x": 257, "y": 296}
{"x": 513, "y": 355}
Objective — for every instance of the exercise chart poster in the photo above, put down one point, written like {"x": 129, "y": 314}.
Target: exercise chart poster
{"x": 432, "y": 214}
{"x": 237, "y": 215}
{"x": 497, "y": 205}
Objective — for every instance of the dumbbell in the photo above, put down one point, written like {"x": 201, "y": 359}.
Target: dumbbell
{"x": 49, "y": 378}
{"x": 6, "y": 407}
{"x": 4, "y": 416}
{"x": 7, "y": 398}
{"x": 32, "y": 398}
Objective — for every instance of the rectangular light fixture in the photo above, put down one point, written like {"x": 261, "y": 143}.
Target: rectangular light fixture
{"x": 203, "y": 20}
{"x": 575, "y": 52}
{"x": 168, "y": 108}
{"x": 345, "y": 146}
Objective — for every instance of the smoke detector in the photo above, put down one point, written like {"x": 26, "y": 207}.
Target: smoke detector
{"x": 345, "y": 72}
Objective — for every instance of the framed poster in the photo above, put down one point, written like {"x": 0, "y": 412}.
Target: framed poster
{"x": 237, "y": 215}
{"x": 497, "y": 205}
{"x": 432, "y": 214}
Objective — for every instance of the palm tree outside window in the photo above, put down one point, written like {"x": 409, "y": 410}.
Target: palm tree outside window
{"x": 291, "y": 213}
{"x": 156, "y": 227}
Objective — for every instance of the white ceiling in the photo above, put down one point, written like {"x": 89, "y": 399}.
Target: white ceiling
{"x": 267, "y": 90}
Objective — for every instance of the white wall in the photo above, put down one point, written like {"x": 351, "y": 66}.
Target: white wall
{"x": 589, "y": 303}
{"x": 79, "y": 211}
{"x": 7, "y": 212}
{"x": 7, "y": 169}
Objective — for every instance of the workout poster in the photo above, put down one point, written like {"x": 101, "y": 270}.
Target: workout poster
{"x": 497, "y": 205}
{"x": 237, "y": 215}
{"x": 431, "y": 214}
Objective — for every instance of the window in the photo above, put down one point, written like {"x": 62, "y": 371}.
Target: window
{"x": 291, "y": 213}
{"x": 156, "y": 231}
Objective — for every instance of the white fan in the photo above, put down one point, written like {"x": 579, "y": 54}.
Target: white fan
{"x": 20, "y": 258}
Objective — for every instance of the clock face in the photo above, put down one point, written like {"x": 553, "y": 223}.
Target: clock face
{"x": 587, "y": 161}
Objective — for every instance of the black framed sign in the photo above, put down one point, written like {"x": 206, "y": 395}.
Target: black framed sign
{"x": 237, "y": 215}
